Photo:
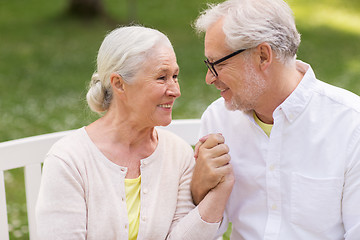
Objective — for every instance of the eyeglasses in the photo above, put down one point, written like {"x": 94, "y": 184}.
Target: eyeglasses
{"x": 211, "y": 65}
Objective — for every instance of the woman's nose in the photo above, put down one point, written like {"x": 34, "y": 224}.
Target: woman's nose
{"x": 174, "y": 90}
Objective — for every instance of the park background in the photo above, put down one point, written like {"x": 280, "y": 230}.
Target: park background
{"x": 47, "y": 57}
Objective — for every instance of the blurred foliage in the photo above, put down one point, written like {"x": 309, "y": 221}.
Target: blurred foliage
{"x": 47, "y": 59}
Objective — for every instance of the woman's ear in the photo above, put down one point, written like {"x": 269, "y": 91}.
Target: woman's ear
{"x": 117, "y": 82}
{"x": 266, "y": 55}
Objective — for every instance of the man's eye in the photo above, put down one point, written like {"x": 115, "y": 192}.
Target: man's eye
{"x": 175, "y": 76}
{"x": 162, "y": 78}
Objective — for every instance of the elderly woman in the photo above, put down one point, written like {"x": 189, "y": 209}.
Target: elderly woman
{"x": 119, "y": 177}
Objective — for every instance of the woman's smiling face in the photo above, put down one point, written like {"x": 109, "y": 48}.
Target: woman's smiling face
{"x": 151, "y": 97}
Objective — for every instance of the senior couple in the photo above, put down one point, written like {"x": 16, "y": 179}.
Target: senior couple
{"x": 279, "y": 153}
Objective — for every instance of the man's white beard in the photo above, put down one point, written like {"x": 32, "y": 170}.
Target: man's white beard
{"x": 253, "y": 87}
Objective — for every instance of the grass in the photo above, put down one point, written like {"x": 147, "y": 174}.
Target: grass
{"x": 47, "y": 59}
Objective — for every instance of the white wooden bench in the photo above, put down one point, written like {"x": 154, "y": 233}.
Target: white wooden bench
{"x": 29, "y": 153}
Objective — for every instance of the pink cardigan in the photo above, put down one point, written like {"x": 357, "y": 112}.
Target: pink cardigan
{"x": 82, "y": 193}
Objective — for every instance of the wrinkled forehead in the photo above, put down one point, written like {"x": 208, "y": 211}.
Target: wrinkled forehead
{"x": 161, "y": 58}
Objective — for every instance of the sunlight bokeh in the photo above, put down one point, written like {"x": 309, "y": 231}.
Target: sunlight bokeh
{"x": 320, "y": 14}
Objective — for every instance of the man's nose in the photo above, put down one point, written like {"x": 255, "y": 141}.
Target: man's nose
{"x": 210, "y": 78}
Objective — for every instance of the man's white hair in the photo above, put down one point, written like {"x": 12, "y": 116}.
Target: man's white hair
{"x": 247, "y": 23}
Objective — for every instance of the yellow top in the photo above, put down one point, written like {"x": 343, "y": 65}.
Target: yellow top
{"x": 264, "y": 126}
{"x": 132, "y": 191}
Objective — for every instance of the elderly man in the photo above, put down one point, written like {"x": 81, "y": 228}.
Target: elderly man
{"x": 294, "y": 141}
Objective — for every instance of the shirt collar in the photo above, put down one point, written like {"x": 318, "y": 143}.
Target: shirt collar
{"x": 295, "y": 104}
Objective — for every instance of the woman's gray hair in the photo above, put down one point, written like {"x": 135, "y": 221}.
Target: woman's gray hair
{"x": 123, "y": 51}
{"x": 248, "y": 23}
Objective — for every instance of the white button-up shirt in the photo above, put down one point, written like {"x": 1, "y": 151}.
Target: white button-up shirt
{"x": 302, "y": 182}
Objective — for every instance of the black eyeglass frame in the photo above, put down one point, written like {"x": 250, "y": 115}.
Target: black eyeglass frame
{"x": 211, "y": 65}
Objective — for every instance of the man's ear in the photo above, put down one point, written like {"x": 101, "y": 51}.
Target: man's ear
{"x": 266, "y": 55}
{"x": 117, "y": 82}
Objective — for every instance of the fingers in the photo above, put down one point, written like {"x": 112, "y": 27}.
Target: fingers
{"x": 219, "y": 151}
{"x": 226, "y": 184}
{"x": 221, "y": 160}
{"x": 212, "y": 165}
{"x": 211, "y": 140}
{"x": 226, "y": 172}
{"x": 196, "y": 150}
{"x": 214, "y": 157}
{"x": 204, "y": 138}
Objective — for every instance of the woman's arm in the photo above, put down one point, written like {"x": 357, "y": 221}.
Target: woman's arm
{"x": 61, "y": 207}
{"x": 203, "y": 221}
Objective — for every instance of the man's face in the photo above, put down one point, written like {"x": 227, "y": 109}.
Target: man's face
{"x": 238, "y": 80}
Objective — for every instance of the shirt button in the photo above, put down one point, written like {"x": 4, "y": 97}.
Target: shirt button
{"x": 143, "y": 218}
{"x": 272, "y": 167}
{"x": 123, "y": 169}
{"x": 274, "y": 207}
{"x": 145, "y": 191}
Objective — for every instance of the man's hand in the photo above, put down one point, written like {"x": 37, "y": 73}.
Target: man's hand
{"x": 212, "y": 158}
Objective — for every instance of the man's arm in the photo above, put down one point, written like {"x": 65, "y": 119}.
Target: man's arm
{"x": 351, "y": 191}
{"x": 212, "y": 165}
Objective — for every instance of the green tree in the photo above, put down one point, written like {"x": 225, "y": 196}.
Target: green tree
{"x": 86, "y": 8}
{"x": 95, "y": 8}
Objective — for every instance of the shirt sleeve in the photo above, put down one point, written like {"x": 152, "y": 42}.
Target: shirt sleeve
{"x": 204, "y": 128}
{"x": 187, "y": 223}
{"x": 351, "y": 193}
{"x": 61, "y": 207}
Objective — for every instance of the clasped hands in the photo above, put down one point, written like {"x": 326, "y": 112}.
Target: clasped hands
{"x": 213, "y": 170}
